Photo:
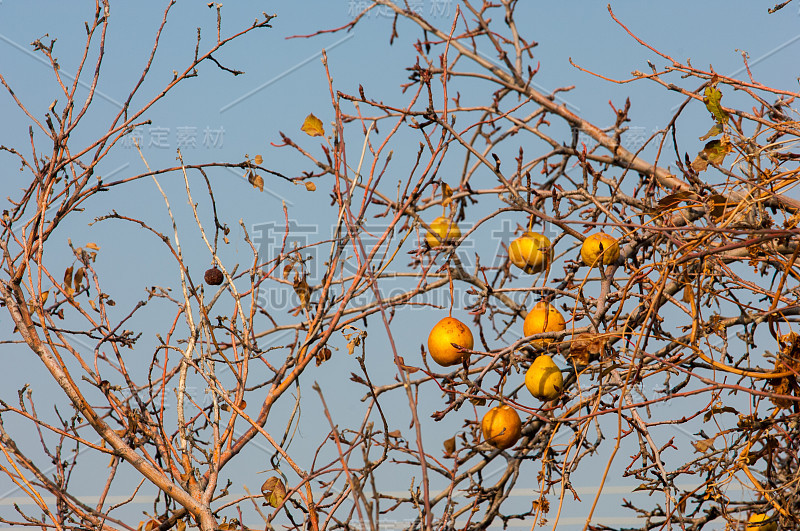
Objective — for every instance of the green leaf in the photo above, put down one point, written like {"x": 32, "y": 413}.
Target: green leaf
{"x": 712, "y": 97}
{"x": 714, "y": 152}
{"x": 715, "y": 130}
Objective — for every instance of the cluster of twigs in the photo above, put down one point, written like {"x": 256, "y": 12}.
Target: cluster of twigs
{"x": 706, "y": 275}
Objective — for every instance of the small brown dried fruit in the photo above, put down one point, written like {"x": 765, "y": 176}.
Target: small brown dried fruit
{"x": 214, "y": 277}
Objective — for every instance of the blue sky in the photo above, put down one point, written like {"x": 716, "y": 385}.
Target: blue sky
{"x": 217, "y": 116}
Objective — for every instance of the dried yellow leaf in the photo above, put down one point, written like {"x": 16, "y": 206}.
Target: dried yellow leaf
{"x": 68, "y": 282}
{"x": 703, "y": 445}
{"x": 256, "y": 180}
{"x": 303, "y": 290}
{"x": 258, "y": 160}
{"x": 447, "y": 194}
{"x": 586, "y": 347}
{"x": 323, "y": 355}
{"x": 274, "y": 491}
{"x": 312, "y": 126}
{"x": 311, "y": 187}
{"x": 79, "y": 274}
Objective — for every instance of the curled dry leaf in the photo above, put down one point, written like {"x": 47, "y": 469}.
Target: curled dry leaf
{"x": 149, "y": 525}
{"x": 68, "y": 282}
{"x": 409, "y": 369}
{"x": 478, "y": 401}
{"x": 256, "y": 180}
{"x": 311, "y": 186}
{"x": 788, "y": 358}
{"x": 303, "y": 291}
{"x": 717, "y": 205}
{"x": 274, "y": 491}
{"x": 232, "y": 525}
{"x": 585, "y": 348}
{"x": 450, "y": 446}
{"x": 312, "y": 126}
{"x": 447, "y": 193}
{"x": 78, "y": 278}
{"x": 704, "y": 445}
{"x": 225, "y": 407}
{"x": 673, "y": 200}
{"x": 258, "y": 160}
{"x": 353, "y": 338}
{"x": 323, "y": 355}
{"x": 786, "y": 385}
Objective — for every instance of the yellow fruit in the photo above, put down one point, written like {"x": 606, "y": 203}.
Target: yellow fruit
{"x": 501, "y": 427}
{"x": 444, "y": 334}
{"x": 756, "y": 523}
{"x": 531, "y": 252}
{"x": 543, "y": 317}
{"x": 597, "y": 246}
{"x": 446, "y": 230}
{"x": 543, "y": 379}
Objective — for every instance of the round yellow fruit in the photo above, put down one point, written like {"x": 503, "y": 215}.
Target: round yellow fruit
{"x": 543, "y": 379}
{"x": 543, "y": 317}
{"x": 446, "y": 230}
{"x": 531, "y": 252}
{"x": 444, "y": 334}
{"x": 756, "y": 522}
{"x": 599, "y": 248}
{"x": 501, "y": 427}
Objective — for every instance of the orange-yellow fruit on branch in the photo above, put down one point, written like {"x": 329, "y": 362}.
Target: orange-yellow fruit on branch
{"x": 501, "y": 427}
{"x": 443, "y": 336}
{"x": 531, "y": 252}
{"x": 543, "y": 317}
{"x": 759, "y": 522}
{"x": 446, "y": 230}
{"x": 544, "y": 379}
{"x": 599, "y": 248}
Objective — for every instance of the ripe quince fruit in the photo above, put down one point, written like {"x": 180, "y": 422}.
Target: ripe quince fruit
{"x": 501, "y": 427}
{"x": 445, "y": 229}
{"x": 531, "y": 252}
{"x": 544, "y": 379}
{"x": 543, "y": 317}
{"x": 443, "y": 336}
{"x": 599, "y": 249}
{"x": 759, "y": 522}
